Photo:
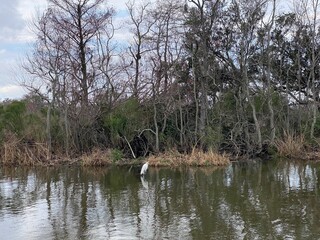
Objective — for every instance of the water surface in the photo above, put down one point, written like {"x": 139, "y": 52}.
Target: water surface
{"x": 274, "y": 200}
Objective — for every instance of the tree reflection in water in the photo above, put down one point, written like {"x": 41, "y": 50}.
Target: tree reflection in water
{"x": 274, "y": 200}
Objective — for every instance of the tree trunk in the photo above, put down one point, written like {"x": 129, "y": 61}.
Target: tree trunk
{"x": 156, "y": 127}
{"x": 48, "y": 131}
{"x": 253, "y": 108}
{"x": 269, "y": 87}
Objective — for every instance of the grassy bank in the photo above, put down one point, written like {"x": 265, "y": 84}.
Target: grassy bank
{"x": 297, "y": 147}
{"x": 16, "y": 152}
{"x": 170, "y": 158}
{"x": 195, "y": 158}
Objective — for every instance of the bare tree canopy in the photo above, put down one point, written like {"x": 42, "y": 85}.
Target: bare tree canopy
{"x": 233, "y": 76}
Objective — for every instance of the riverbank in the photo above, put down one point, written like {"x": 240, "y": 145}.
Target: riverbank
{"x": 37, "y": 155}
{"x": 171, "y": 158}
{"x": 20, "y": 153}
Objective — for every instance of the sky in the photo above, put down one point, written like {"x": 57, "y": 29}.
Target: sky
{"x": 16, "y": 38}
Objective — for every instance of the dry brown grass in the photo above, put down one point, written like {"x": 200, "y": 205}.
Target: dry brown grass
{"x": 173, "y": 158}
{"x": 97, "y": 157}
{"x": 15, "y": 151}
{"x": 166, "y": 159}
{"x": 209, "y": 158}
{"x": 291, "y": 146}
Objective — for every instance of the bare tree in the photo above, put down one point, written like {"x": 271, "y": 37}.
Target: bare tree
{"x": 203, "y": 15}
{"x": 68, "y": 61}
{"x": 166, "y": 47}
{"x": 269, "y": 27}
{"x": 141, "y": 25}
{"x": 46, "y": 65}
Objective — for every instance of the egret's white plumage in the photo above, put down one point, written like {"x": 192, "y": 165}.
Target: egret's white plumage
{"x": 144, "y": 169}
{"x": 144, "y": 182}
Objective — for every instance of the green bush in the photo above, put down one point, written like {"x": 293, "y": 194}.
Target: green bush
{"x": 12, "y": 116}
{"x": 116, "y": 155}
{"x": 125, "y": 120}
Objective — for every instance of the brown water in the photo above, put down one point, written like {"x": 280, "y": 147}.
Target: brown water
{"x": 275, "y": 200}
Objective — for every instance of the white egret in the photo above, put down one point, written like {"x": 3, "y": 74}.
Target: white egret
{"x": 144, "y": 168}
{"x": 144, "y": 182}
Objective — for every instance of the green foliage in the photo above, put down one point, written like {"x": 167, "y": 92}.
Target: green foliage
{"x": 213, "y": 137}
{"x": 221, "y": 86}
{"x": 261, "y": 104}
{"x": 228, "y": 102}
{"x": 125, "y": 120}
{"x": 12, "y": 116}
{"x": 116, "y": 155}
{"x": 35, "y": 127}
{"x": 117, "y": 122}
{"x": 317, "y": 127}
{"x": 16, "y": 118}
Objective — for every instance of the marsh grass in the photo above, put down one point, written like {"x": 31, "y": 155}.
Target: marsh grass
{"x": 97, "y": 157}
{"x": 15, "y": 151}
{"x": 173, "y": 158}
{"x": 291, "y": 146}
{"x": 209, "y": 158}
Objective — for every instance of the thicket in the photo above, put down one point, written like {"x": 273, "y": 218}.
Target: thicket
{"x": 232, "y": 76}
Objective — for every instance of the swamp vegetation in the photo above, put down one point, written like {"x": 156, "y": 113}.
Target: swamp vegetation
{"x": 221, "y": 79}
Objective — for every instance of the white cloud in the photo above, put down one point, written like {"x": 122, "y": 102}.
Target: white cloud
{"x": 11, "y": 21}
{"x": 29, "y": 8}
{"x": 15, "y": 17}
{"x": 11, "y": 92}
{"x": 15, "y": 36}
{"x": 118, "y": 5}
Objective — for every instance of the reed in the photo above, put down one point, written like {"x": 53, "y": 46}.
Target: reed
{"x": 97, "y": 157}
{"x": 291, "y": 146}
{"x": 166, "y": 159}
{"x": 16, "y": 151}
{"x": 197, "y": 157}
{"x": 208, "y": 158}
